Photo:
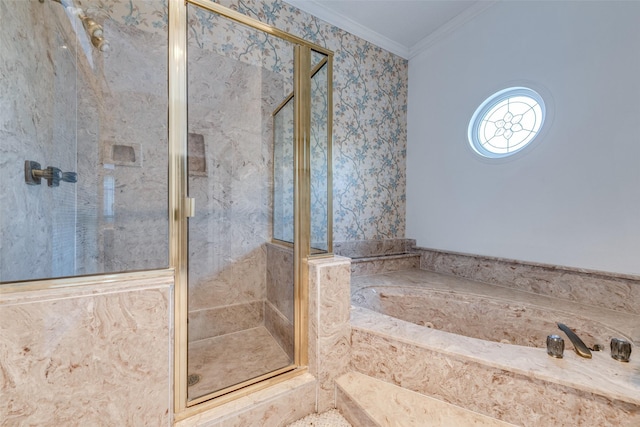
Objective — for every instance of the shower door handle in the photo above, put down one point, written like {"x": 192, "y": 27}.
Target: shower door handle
{"x": 189, "y": 207}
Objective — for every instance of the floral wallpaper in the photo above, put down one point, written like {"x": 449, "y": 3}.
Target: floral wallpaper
{"x": 369, "y": 128}
{"x": 370, "y": 106}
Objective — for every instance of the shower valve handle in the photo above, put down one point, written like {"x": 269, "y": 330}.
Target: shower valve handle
{"x": 33, "y": 174}
{"x": 69, "y": 176}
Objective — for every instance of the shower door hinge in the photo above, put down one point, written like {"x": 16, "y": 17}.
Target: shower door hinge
{"x": 189, "y": 207}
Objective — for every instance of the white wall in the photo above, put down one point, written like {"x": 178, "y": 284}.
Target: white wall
{"x": 573, "y": 199}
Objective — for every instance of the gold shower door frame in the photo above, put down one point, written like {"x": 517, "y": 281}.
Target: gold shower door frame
{"x": 180, "y": 206}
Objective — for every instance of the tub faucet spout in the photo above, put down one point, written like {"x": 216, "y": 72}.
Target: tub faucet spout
{"x": 578, "y": 344}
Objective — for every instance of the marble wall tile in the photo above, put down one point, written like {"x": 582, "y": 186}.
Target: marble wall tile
{"x": 329, "y": 303}
{"x": 508, "y": 396}
{"x": 351, "y": 410}
{"x": 373, "y": 402}
{"x": 38, "y": 102}
{"x": 600, "y": 289}
{"x": 81, "y": 100}
{"x": 274, "y": 406}
{"x": 373, "y": 247}
{"x": 279, "y": 308}
{"x": 106, "y": 361}
{"x": 280, "y": 278}
{"x": 379, "y": 265}
{"x": 281, "y": 328}
{"x": 222, "y": 286}
{"x": 207, "y": 323}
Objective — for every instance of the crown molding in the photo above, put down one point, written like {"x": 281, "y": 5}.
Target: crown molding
{"x": 351, "y": 26}
{"x": 450, "y": 26}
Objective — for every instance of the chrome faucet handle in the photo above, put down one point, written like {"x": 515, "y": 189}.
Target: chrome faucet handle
{"x": 620, "y": 349}
{"x": 555, "y": 346}
{"x": 69, "y": 176}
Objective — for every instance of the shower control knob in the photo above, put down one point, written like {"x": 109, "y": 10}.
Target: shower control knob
{"x": 69, "y": 176}
{"x": 620, "y": 349}
{"x": 555, "y": 346}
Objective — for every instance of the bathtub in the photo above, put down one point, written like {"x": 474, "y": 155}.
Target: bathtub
{"x": 477, "y": 316}
{"x": 482, "y": 347}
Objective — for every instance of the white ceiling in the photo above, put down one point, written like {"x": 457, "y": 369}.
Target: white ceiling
{"x": 403, "y": 27}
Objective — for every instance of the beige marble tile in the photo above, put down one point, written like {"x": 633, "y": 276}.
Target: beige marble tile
{"x": 334, "y": 354}
{"x": 373, "y": 247}
{"x": 233, "y": 358}
{"x": 512, "y": 321}
{"x": 274, "y": 406}
{"x": 384, "y": 264}
{"x": 350, "y": 409}
{"x": 232, "y": 281}
{"x": 607, "y": 290}
{"x": 373, "y": 402}
{"x": 280, "y": 328}
{"x": 517, "y": 384}
{"x": 96, "y": 353}
{"x": 280, "y": 278}
{"x": 207, "y": 323}
{"x": 454, "y": 288}
{"x": 329, "y": 331}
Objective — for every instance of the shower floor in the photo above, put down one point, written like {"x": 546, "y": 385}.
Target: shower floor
{"x": 233, "y": 358}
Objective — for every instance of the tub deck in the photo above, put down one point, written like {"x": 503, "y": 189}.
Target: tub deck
{"x": 626, "y": 323}
{"x": 600, "y": 376}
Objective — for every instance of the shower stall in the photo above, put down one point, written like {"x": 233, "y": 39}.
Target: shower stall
{"x": 215, "y": 163}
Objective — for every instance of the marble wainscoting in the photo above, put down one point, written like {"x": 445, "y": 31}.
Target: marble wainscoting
{"x": 97, "y": 354}
{"x": 329, "y": 327}
{"x": 618, "y": 292}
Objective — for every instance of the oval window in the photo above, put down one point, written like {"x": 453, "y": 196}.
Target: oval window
{"x": 506, "y": 122}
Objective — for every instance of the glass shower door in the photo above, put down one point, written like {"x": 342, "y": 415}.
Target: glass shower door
{"x": 240, "y": 298}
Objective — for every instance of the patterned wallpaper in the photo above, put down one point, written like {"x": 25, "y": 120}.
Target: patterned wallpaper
{"x": 370, "y": 106}
{"x": 369, "y": 133}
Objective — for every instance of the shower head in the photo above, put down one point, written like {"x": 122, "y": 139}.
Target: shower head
{"x": 93, "y": 29}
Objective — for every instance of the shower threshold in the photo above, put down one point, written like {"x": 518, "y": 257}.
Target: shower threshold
{"x": 230, "y": 359}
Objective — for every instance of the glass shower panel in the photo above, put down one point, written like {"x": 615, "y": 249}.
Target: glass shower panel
{"x": 83, "y": 145}
{"x": 320, "y": 153}
{"x": 240, "y": 299}
{"x": 283, "y": 176}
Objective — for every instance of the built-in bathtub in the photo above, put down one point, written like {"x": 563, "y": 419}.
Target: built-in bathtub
{"x": 477, "y": 316}
{"x": 482, "y": 347}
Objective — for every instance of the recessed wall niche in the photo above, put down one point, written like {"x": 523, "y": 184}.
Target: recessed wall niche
{"x": 123, "y": 154}
{"x": 196, "y": 155}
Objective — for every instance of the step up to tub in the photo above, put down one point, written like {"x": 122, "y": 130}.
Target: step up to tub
{"x": 384, "y": 264}
{"x": 366, "y": 401}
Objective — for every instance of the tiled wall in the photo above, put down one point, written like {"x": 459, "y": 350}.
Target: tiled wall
{"x": 612, "y": 291}
{"x": 94, "y": 354}
{"x": 67, "y": 106}
{"x": 278, "y": 306}
{"x": 37, "y": 115}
